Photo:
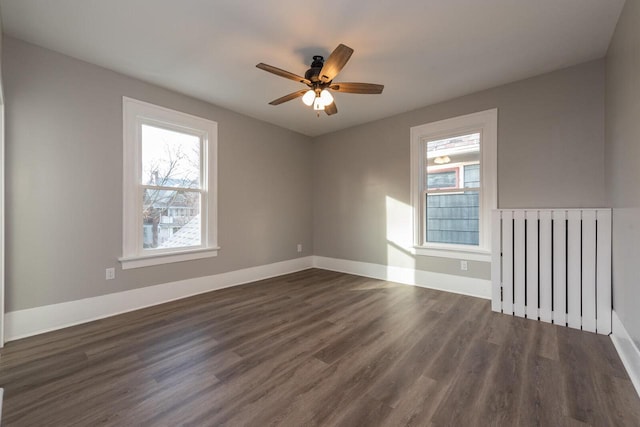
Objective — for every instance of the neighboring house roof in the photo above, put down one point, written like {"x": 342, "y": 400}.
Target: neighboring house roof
{"x": 173, "y": 182}
{"x": 176, "y": 198}
{"x": 188, "y": 235}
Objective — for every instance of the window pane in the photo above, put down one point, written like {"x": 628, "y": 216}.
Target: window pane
{"x": 453, "y": 218}
{"x": 171, "y": 219}
{"x": 169, "y": 158}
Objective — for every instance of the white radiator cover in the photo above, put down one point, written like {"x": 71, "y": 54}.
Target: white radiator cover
{"x": 553, "y": 265}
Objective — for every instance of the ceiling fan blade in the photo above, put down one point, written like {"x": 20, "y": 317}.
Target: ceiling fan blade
{"x": 282, "y": 73}
{"x": 363, "y": 88}
{"x": 335, "y": 62}
{"x": 331, "y": 108}
{"x": 289, "y": 97}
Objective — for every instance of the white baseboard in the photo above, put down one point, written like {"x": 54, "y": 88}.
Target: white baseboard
{"x": 32, "y": 321}
{"x": 627, "y": 350}
{"x": 445, "y": 282}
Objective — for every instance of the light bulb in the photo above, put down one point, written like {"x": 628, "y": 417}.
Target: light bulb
{"x": 308, "y": 97}
{"x": 318, "y": 104}
{"x": 441, "y": 160}
{"x": 326, "y": 97}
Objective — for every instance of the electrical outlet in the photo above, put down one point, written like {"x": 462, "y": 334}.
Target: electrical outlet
{"x": 110, "y": 273}
{"x": 299, "y": 247}
{"x": 464, "y": 266}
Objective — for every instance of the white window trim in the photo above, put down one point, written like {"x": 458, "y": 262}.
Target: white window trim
{"x": 134, "y": 113}
{"x": 485, "y": 122}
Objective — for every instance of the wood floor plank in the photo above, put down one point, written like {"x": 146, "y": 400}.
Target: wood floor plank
{"x": 460, "y": 405}
{"x": 267, "y": 401}
{"x": 540, "y": 402}
{"x": 317, "y": 348}
{"x": 418, "y": 357}
{"x": 417, "y": 403}
{"x": 364, "y": 411}
{"x": 580, "y": 368}
{"x": 500, "y": 405}
{"x": 350, "y": 376}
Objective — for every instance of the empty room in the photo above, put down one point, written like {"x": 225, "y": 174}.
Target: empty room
{"x": 365, "y": 213}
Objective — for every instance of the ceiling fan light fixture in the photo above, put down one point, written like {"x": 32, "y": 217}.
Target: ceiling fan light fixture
{"x": 326, "y": 97}
{"x": 318, "y": 105}
{"x": 308, "y": 97}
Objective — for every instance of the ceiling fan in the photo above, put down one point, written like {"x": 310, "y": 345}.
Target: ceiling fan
{"x": 319, "y": 79}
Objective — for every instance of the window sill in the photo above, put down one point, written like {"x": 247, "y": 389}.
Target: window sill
{"x": 166, "y": 258}
{"x": 470, "y": 254}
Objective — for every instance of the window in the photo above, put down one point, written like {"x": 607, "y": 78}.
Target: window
{"x": 454, "y": 185}
{"x": 169, "y": 186}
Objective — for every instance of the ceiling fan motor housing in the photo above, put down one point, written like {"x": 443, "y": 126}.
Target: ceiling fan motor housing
{"x": 316, "y": 66}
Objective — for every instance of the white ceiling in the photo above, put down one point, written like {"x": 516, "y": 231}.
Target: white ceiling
{"x": 423, "y": 51}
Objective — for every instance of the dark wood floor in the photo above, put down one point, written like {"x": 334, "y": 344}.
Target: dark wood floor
{"x": 317, "y": 348}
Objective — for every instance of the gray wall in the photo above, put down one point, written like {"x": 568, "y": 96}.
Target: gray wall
{"x": 622, "y": 150}
{"x": 64, "y": 182}
{"x": 550, "y": 154}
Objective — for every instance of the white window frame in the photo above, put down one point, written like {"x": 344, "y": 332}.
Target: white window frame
{"x": 135, "y": 114}
{"x": 485, "y": 122}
